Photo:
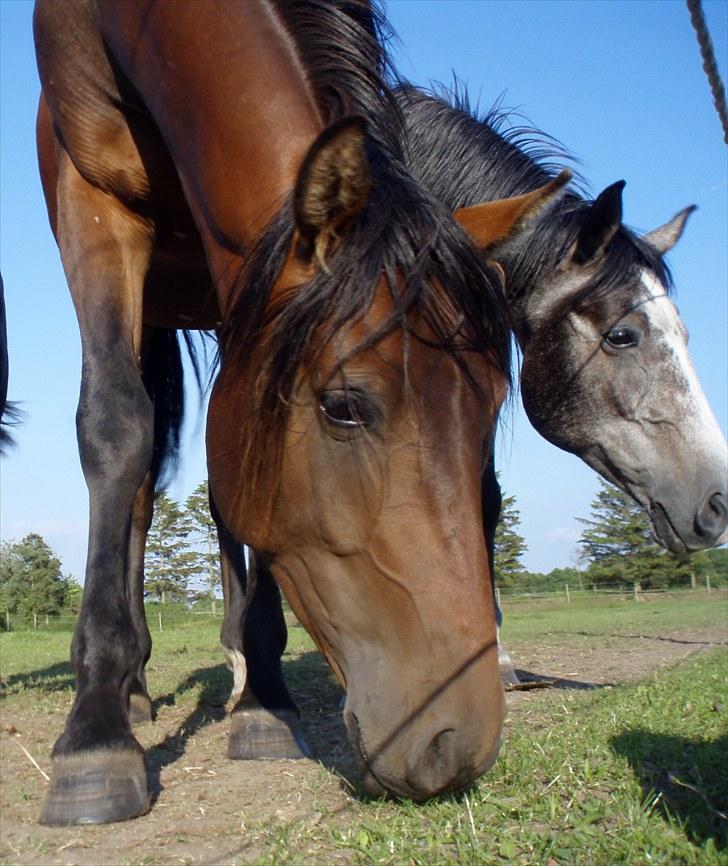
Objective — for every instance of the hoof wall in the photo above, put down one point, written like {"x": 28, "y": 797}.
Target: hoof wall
{"x": 260, "y": 734}
{"x": 140, "y": 709}
{"x": 96, "y": 788}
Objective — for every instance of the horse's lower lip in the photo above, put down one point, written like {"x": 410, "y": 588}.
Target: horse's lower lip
{"x": 664, "y": 531}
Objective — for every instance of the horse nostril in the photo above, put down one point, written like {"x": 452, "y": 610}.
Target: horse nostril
{"x": 712, "y": 517}
{"x": 438, "y": 768}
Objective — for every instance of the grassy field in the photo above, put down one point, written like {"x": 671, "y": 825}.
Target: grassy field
{"x": 636, "y": 774}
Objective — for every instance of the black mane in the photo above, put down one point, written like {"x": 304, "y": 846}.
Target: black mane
{"x": 465, "y": 160}
{"x": 341, "y": 44}
{"x": 433, "y": 271}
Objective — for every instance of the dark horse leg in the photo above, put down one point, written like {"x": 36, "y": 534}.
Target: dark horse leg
{"x": 264, "y": 720}
{"x": 98, "y": 766}
{"x": 492, "y": 501}
{"x": 140, "y": 704}
{"x": 163, "y": 378}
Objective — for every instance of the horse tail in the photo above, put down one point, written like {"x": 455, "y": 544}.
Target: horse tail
{"x": 10, "y": 414}
{"x": 164, "y": 379}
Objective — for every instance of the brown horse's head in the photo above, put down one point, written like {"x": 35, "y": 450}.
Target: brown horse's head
{"x": 346, "y": 437}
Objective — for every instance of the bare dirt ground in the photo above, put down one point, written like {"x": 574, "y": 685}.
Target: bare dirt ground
{"x": 207, "y": 810}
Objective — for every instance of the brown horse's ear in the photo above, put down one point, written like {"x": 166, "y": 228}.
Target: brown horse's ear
{"x": 665, "y": 237}
{"x": 495, "y": 222}
{"x": 332, "y": 187}
{"x": 600, "y": 225}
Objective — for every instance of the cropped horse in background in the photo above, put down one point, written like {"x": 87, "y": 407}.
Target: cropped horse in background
{"x": 9, "y": 412}
{"x": 4, "y": 370}
{"x": 605, "y": 369}
{"x": 364, "y": 352}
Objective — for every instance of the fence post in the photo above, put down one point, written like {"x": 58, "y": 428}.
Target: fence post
{"x": 7, "y": 620}
{"x": 636, "y": 589}
{"x": 692, "y": 580}
{"x": 497, "y": 596}
{"x": 160, "y": 619}
{"x": 568, "y": 597}
{"x": 707, "y": 583}
{"x": 35, "y": 621}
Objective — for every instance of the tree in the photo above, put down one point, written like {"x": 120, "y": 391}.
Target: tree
{"x": 203, "y": 535}
{"x": 618, "y": 544}
{"x": 509, "y": 544}
{"x": 168, "y": 564}
{"x": 31, "y": 581}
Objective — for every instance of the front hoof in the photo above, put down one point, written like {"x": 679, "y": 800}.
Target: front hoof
{"x": 140, "y": 709}
{"x": 259, "y": 734}
{"x": 96, "y": 787}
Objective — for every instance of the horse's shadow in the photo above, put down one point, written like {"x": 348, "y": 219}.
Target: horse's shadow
{"x": 314, "y": 689}
{"x": 683, "y": 779}
{"x": 54, "y": 678}
{"x": 529, "y": 680}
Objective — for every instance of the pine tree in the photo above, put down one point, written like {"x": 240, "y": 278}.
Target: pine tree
{"x": 203, "y": 535}
{"x": 509, "y": 544}
{"x": 31, "y": 581}
{"x": 619, "y": 547}
{"x": 168, "y": 564}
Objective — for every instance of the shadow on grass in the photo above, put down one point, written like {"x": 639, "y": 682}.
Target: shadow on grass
{"x": 686, "y": 779}
{"x": 216, "y": 682}
{"x": 54, "y": 678}
{"x": 529, "y": 679}
{"x": 314, "y": 690}
{"x": 654, "y": 637}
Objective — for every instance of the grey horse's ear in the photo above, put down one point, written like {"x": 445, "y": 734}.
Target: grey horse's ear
{"x": 600, "y": 224}
{"x": 664, "y": 238}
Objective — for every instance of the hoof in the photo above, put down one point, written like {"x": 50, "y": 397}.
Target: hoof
{"x": 261, "y": 734}
{"x": 508, "y": 674}
{"x": 97, "y": 787}
{"x": 140, "y": 708}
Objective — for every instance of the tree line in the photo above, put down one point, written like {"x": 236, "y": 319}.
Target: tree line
{"x": 616, "y": 547}
{"x": 182, "y": 558}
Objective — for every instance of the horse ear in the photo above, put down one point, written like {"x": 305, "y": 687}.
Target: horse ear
{"x": 332, "y": 187}
{"x": 493, "y": 223}
{"x": 600, "y": 224}
{"x": 665, "y": 237}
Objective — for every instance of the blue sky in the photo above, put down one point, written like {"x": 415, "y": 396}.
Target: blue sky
{"x": 619, "y": 82}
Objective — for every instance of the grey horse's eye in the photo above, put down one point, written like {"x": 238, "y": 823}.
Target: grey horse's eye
{"x": 622, "y": 338}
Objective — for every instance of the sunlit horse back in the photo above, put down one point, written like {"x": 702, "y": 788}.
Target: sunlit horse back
{"x": 211, "y": 165}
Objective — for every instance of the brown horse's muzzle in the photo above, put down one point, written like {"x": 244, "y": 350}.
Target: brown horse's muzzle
{"x": 440, "y": 746}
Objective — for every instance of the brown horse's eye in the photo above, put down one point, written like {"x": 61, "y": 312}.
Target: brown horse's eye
{"x": 346, "y": 409}
{"x": 622, "y": 338}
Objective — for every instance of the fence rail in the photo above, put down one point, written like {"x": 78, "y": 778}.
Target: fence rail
{"x": 161, "y": 616}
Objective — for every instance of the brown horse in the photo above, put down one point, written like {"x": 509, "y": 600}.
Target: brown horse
{"x": 210, "y": 165}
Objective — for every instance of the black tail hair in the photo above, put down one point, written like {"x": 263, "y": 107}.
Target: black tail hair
{"x": 163, "y": 376}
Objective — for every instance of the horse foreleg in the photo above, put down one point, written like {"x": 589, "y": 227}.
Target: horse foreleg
{"x": 140, "y": 704}
{"x": 98, "y": 770}
{"x": 264, "y": 721}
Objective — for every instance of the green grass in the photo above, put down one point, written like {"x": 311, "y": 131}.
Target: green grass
{"x": 587, "y": 616}
{"x": 629, "y": 776}
{"x": 613, "y": 777}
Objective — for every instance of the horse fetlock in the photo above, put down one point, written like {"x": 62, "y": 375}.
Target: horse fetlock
{"x": 261, "y": 734}
{"x": 98, "y": 786}
{"x": 140, "y": 708}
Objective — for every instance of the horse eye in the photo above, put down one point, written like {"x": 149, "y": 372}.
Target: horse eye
{"x": 622, "y": 338}
{"x": 345, "y": 408}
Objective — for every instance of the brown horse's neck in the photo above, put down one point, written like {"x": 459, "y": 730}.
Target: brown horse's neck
{"x": 173, "y": 55}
